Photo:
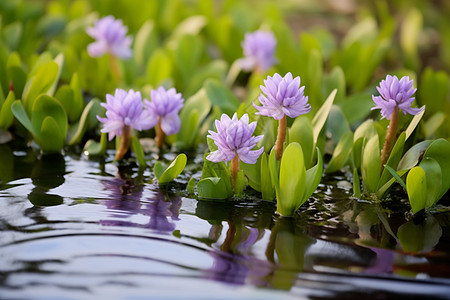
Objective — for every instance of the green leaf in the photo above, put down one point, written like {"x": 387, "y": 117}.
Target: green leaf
{"x": 6, "y": 115}
{"x": 145, "y": 42}
{"x": 433, "y": 175}
{"x": 292, "y": 180}
{"x": 267, "y": 189}
{"x": 51, "y": 139}
{"x": 253, "y": 174}
{"x": 212, "y": 188}
{"x": 397, "y": 175}
{"x": 433, "y": 90}
{"x": 93, "y": 148}
{"x": 341, "y": 153}
{"x": 336, "y": 79}
{"x": 65, "y": 96}
{"x": 322, "y": 114}
{"x": 439, "y": 150}
{"x": 356, "y": 107}
{"x": 174, "y": 169}
{"x": 190, "y": 187}
{"x": 414, "y": 122}
{"x": 19, "y": 112}
{"x": 240, "y": 184}
{"x": 413, "y": 155}
{"x": 433, "y": 123}
{"x": 356, "y": 184}
{"x": 409, "y": 37}
{"x": 393, "y": 160}
{"x": 189, "y": 26}
{"x": 188, "y": 52}
{"x": 301, "y": 132}
{"x": 337, "y": 124}
{"x": 40, "y": 83}
{"x": 159, "y": 169}
{"x": 416, "y": 186}
{"x": 313, "y": 177}
{"x": 45, "y": 106}
{"x": 159, "y": 67}
{"x": 78, "y": 101}
{"x": 138, "y": 151}
{"x": 18, "y": 78}
{"x": 371, "y": 164}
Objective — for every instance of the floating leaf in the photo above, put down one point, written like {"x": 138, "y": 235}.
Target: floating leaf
{"x": 416, "y": 186}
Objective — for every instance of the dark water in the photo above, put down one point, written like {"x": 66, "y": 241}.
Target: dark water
{"x": 73, "y": 228}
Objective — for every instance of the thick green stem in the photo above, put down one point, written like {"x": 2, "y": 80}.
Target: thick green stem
{"x": 159, "y": 135}
{"x": 125, "y": 142}
{"x": 234, "y": 170}
{"x": 390, "y": 137}
{"x": 280, "y": 138}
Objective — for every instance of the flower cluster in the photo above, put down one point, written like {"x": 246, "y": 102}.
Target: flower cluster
{"x": 259, "y": 51}
{"x": 395, "y": 93}
{"x": 110, "y": 36}
{"x": 284, "y": 96}
{"x": 234, "y": 137}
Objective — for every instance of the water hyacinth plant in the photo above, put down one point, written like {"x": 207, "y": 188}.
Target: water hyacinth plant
{"x": 124, "y": 112}
{"x": 281, "y": 97}
{"x": 163, "y": 111}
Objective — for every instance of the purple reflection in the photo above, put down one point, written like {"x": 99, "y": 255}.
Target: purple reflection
{"x": 125, "y": 203}
{"x": 231, "y": 265}
{"x": 383, "y": 263}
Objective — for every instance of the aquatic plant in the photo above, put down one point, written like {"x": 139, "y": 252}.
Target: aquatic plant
{"x": 163, "y": 111}
{"x": 283, "y": 97}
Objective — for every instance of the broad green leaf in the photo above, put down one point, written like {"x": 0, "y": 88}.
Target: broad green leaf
{"x": 59, "y": 60}
{"x": 93, "y": 148}
{"x": 253, "y": 174}
{"x": 335, "y": 79}
{"x": 416, "y": 186}
{"x": 216, "y": 70}
{"x": 220, "y": 170}
{"x": 301, "y": 132}
{"x": 341, "y": 153}
{"x": 433, "y": 90}
{"x": 414, "y": 122}
{"x": 433, "y": 175}
{"x": 212, "y": 188}
{"x": 138, "y": 151}
{"x": 64, "y": 95}
{"x": 313, "y": 177}
{"x": 356, "y": 184}
{"x": 78, "y": 101}
{"x": 267, "y": 189}
{"x": 433, "y": 123}
{"x": 12, "y": 34}
{"x": 393, "y": 160}
{"x": 6, "y": 115}
{"x": 18, "y": 78}
{"x": 45, "y": 106}
{"x": 51, "y": 137}
{"x": 409, "y": 37}
{"x": 189, "y": 26}
{"x": 322, "y": 114}
{"x": 21, "y": 115}
{"x": 356, "y": 107}
{"x": 188, "y": 52}
{"x": 40, "y": 83}
{"x": 363, "y": 32}
{"x": 292, "y": 180}
{"x": 371, "y": 164}
{"x": 174, "y": 169}
{"x": 439, "y": 150}
{"x": 413, "y": 155}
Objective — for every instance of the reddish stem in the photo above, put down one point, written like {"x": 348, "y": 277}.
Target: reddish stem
{"x": 125, "y": 142}
{"x": 280, "y": 138}
{"x": 159, "y": 135}
{"x": 390, "y": 137}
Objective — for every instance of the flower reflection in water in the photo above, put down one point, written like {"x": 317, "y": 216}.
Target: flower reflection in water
{"x": 126, "y": 205}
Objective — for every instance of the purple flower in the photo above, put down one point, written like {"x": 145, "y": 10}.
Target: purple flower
{"x": 164, "y": 106}
{"x": 284, "y": 96}
{"x": 395, "y": 93}
{"x": 259, "y": 51}
{"x": 123, "y": 109}
{"x": 110, "y": 35}
{"x": 233, "y": 137}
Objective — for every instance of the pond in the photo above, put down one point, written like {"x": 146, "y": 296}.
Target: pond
{"x": 73, "y": 227}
